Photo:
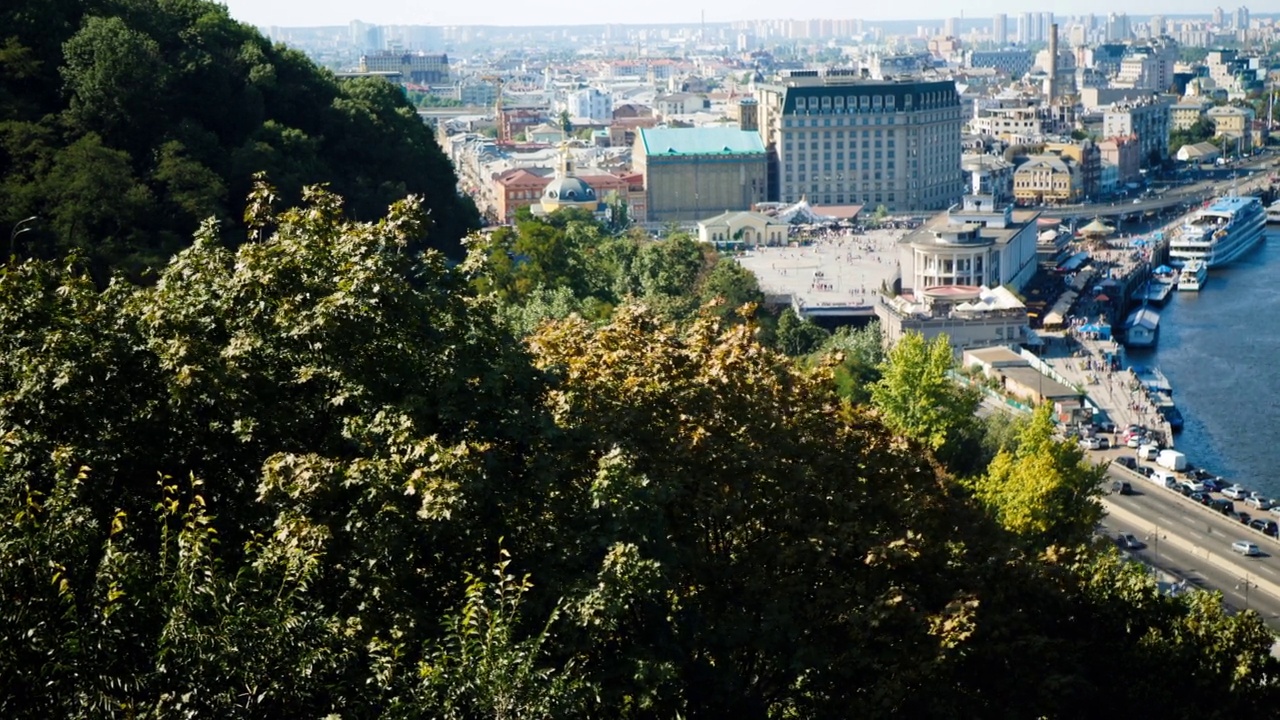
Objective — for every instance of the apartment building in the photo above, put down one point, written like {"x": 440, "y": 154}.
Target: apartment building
{"x": 1147, "y": 118}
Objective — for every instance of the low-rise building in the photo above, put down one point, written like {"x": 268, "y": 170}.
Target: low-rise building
{"x": 743, "y": 227}
{"x": 1187, "y": 112}
{"x": 1233, "y": 123}
{"x": 1201, "y": 152}
{"x": 1047, "y": 178}
{"x": 970, "y": 317}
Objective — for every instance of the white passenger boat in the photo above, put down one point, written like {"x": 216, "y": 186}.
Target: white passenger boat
{"x": 1221, "y": 232}
{"x": 1193, "y": 275}
{"x": 1273, "y": 212}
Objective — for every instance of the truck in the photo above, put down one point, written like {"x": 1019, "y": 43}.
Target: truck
{"x": 1172, "y": 460}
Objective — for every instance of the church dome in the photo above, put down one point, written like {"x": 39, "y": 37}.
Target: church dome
{"x": 568, "y": 191}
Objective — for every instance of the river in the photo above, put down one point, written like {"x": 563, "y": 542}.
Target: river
{"x": 1220, "y": 349}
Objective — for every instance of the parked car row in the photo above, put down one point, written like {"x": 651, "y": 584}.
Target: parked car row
{"x": 1199, "y": 485}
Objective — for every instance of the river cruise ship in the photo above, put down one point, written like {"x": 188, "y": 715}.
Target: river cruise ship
{"x": 1221, "y": 232}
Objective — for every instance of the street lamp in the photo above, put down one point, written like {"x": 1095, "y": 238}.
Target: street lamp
{"x": 1248, "y": 583}
{"x": 1154, "y": 537}
{"x": 18, "y": 228}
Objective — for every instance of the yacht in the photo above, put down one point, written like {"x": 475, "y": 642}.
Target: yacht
{"x": 1221, "y": 232}
{"x": 1193, "y": 275}
{"x": 1273, "y": 212}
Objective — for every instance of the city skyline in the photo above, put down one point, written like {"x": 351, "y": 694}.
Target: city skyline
{"x": 312, "y": 13}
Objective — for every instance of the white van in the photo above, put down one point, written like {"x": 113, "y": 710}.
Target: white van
{"x": 1164, "y": 479}
{"x": 1148, "y": 452}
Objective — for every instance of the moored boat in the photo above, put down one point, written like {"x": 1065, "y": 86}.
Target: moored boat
{"x": 1193, "y": 275}
{"x": 1273, "y": 212}
{"x": 1220, "y": 233}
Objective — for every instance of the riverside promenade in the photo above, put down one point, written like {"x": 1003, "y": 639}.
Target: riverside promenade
{"x": 1083, "y": 362}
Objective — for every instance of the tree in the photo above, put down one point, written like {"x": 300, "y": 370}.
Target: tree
{"x": 1045, "y": 490}
{"x": 730, "y": 286}
{"x": 796, "y": 336}
{"x": 917, "y": 396}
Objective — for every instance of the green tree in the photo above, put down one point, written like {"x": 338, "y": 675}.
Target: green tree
{"x": 730, "y": 286}
{"x": 795, "y": 336}
{"x": 917, "y": 396}
{"x": 1045, "y": 490}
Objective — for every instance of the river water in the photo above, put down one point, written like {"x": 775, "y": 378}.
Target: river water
{"x": 1220, "y": 349}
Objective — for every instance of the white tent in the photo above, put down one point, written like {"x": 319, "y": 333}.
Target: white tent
{"x": 802, "y": 213}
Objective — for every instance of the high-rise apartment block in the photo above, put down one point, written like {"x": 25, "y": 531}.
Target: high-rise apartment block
{"x": 839, "y": 139}
{"x": 1000, "y": 30}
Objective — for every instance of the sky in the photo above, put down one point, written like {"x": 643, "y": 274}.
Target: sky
{"x": 310, "y": 13}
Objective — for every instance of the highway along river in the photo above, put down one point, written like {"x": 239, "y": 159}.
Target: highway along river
{"x": 1220, "y": 349}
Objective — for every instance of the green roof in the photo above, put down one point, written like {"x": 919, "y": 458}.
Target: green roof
{"x": 669, "y": 142}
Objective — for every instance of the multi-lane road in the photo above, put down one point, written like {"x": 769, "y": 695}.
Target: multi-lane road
{"x": 1192, "y": 541}
{"x": 1197, "y": 186}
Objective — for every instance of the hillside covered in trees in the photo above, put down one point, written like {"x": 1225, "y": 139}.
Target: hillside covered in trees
{"x": 320, "y": 476}
{"x": 126, "y": 123}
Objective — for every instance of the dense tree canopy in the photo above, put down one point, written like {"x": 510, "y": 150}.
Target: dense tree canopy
{"x": 317, "y": 475}
{"x": 124, "y": 124}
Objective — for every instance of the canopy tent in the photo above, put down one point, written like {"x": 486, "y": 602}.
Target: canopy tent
{"x": 802, "y": 213}
{"x": 1057, "y": 315}
{"x": 1097, "y": 228}
{"x": 1102, "y": 330}
{"x": 1163, "y": 270}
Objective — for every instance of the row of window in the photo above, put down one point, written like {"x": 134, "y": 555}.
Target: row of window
{"x": 842, "y": 120}
{"x": 872, "y": 102}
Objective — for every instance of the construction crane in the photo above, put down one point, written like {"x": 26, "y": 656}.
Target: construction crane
{"x": 503, "y": 130}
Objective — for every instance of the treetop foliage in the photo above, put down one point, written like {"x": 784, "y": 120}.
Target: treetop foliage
{"x": 319, "y": 475}
{"x": 125, "y": 124}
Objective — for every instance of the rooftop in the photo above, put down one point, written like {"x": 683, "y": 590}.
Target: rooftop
{"x": 700, "y": 141}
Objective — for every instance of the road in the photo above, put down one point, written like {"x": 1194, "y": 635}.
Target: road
{"x": 1208, "y": 185}
{"x": 1165, "y": 513}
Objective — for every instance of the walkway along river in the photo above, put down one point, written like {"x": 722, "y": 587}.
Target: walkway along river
{"x": 1220, "y": 349}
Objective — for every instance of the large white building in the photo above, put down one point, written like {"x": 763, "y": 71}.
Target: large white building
{"x": 977, "y": 243}
{"x": 589, "y": 103}
{"x": 840, "y": 139}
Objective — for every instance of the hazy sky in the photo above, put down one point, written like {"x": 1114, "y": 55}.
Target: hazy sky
{"x": 298, "y": 13}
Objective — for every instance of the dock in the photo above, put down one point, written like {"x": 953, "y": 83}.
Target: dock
{"x": 1153, "y": 292}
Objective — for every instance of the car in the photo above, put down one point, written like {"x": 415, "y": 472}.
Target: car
{"x": 1145, "y": 470}
{"x": 1197, "y": 487}
{"x": 1235, "y": 492}
{"x": 1127, "y": 461}
{"x": 1258, "y": 502}
{"x": 1226, "y": 507}
{"x": 1264, "y": 526}
{"x": 1103, "y": 443}
{"x": 1134, "y": 441}
{"x": 1091, "y": 443}
{"x": 1129, "y": 542}
{"x": 1105, "y": 426}
{"x": 1246, "y": 548}
{"x": 1184, "y": 489}
{"x": 1120, "y": 487}
{"x": 1202, "y": 498}
{"x": 1212, "y": 484}
{"x": 1275, "y": 510}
